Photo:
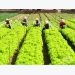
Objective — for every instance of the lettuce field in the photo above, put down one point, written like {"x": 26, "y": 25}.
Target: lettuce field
{"x": 29, "y": 45}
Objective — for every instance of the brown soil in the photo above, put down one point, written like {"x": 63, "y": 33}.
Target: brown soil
{"x": 45, "y": 52}
{"x": 69, "y": 43}
{"x": 14, "y": 57}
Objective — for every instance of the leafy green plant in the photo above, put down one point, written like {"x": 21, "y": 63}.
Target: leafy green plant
{"x": 59, "y": 51}
{"x": 10, "y": 42}
{"x": 31, "y": 51}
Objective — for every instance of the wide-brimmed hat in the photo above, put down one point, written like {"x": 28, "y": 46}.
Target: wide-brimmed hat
{"x": 25, "y": 17}
{"x": 62, "y": 20}
{"x": 7, "y": 19}
{"x": 46, "y": 21}
{"x": 37, "y": 19}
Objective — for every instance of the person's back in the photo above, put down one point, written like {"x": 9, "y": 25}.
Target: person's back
{"x": 25, "y": 21}
{"x": 47, "y": 24}
{"x": 8, "y": 23}
{"x": 62, "y": 23}
{"x": 37, "y": 22}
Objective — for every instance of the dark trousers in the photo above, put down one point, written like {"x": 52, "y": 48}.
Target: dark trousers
{"x": 9, "y": 26}
{"x": 25, "y": 24}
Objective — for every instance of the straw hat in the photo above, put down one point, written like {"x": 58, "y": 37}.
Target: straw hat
{"x": 37, "y": 19}
{"x": 62, "y": 20}
{"x": 7, "y": 19}
{"x": 46, "y": 22}
{"x": 25, "y": 17}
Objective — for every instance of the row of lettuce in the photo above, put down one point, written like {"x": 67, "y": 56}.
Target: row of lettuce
{"x": 4, "y": 30}
{"x": 58, "y": 49}
{"x": 9, "y": 41}
{"x": 70, "y": 24}
{"x": 69, "y": 31}
{"x": 56, "y": 52}
{"x": 32, "y": 46}
{"x": 69, "y": 34}
{"x": 31, "y": 51}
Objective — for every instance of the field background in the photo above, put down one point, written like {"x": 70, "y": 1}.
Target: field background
{"x": 31, "y": 46}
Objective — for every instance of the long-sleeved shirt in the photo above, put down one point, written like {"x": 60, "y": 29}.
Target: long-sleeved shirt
{"x": 7, "y": 22}
{"x": 25, "y": 20}
{"x": 36, "y": 23}
{"x": 47, "y": 25}
{"x": 62, "y": 23}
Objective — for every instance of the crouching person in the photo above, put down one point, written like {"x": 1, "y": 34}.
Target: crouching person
{"x": 25, "y": 21}
{"x": 46, "y": 25}
{"x": 8, "y": 23}
{"x": 37, "y": 22}
{"x": 62, "y": 23}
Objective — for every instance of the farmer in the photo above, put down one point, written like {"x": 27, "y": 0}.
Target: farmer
{"x": 25, "y": 21}
{"x": 62, "y": 23}
{"x": 37, "y": 22}
{"x": 46, "y": 25}
{"x": 8, "y": 23}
